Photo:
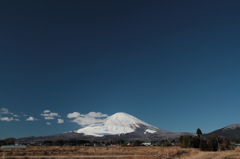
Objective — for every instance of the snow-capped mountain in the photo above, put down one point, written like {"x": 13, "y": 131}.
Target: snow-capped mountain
{"x": 120, "y": 126}
{"x": 117, "y": 124}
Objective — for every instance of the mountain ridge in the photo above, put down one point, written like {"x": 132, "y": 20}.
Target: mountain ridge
{"x": 230, "y": 131}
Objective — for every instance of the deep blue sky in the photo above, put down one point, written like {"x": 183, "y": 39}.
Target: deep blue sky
{"x": 173, "y": 64}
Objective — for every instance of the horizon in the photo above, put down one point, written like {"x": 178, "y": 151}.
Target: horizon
{"x": 76, "y": 117}
{"x": 68, "y": 64}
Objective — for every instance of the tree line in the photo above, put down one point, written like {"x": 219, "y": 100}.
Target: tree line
{"x": 210, "y": 143}
{"x": 7, "y": 141}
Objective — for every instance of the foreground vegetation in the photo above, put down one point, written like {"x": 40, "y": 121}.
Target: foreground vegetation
{"x": 189, "y": 147}
{"x": 91, "y": 152}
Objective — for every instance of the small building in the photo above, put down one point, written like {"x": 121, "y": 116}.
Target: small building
{"x": 146, "y": 144}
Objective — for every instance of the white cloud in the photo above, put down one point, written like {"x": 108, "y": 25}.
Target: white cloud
{"x": 46, "y": 111}
{"x": 87, "y": 119}
{"x": 84, "y": 121}
{"x": 73, "y": 115}
{"x": 96, "y": 114}
{"x": 6, "y": 119}
{"x": 48, "y": 123}
{"x": 24, "y": 115}
{"x": 4, "y": 111}
{"x": 48, "y": 116}
{"x": 17, "y": 119}
{"x": 60, "y": 121}
{"x": 31, "y": 119}
{"x": 90, "y": 114}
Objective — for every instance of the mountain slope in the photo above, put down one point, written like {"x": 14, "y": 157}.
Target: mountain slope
{"x": 119, "y": 123}
{"x": 231, "y": 131}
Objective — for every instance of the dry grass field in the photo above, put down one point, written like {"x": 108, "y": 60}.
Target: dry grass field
{"x": 114, "y": 152}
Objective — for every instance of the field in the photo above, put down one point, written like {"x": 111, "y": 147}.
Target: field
{"x": 114, "y": 152}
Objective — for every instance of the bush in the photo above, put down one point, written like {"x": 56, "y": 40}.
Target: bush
{"x": 186, "y": 141}
{"x": 203, "y": 145}
{"x": 166, "y": 144}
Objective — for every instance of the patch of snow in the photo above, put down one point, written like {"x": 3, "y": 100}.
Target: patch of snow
{"x": 119, "y": 123}
{"x": 231, "y": 127}
{"x": 149, "y": 131}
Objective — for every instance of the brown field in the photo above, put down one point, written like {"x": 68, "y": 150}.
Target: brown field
{"x": 114, "y": 152}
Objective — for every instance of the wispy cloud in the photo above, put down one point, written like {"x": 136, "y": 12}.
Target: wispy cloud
{"x": 60, "y": 121}
{"x": 4, "y": 111}
{"x": 31, "y": 119}
{"x": 73, "y": 115}
{"x": 96, "y": 114}
{"x": 46, "y": 111}
{"x": 87, "y": 119}
{"x": 48, "y": 115}
{"x": 6, "y": 115}
{"x": 90, "y": 114}
{"x": 76, "y": 117}
{"x": 6, "y": 119}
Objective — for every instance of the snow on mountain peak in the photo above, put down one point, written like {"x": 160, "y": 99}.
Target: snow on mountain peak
{"x": 124, "y": 120}
{"x": 119, "y": 123}
{"x": 234, "y": 126}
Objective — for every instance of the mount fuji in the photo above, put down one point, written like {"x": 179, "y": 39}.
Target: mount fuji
{"x": 118, "y": 126}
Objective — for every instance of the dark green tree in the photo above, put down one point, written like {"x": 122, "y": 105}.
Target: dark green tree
{"x": 226, "y": 143}
{"x": 120, "y": 142}
{"x": 137, "y": 143}
{"x": 165, "y": 143}
{"x": 59, "y": 143}
{"x": 212, "y": 143}
{"x": 203, "y": 145}
{"x": 199, "y": 132}
{"x": 195, "y": 142}
{"x": 186, "y": 141}
{"x": 9, "y": 141}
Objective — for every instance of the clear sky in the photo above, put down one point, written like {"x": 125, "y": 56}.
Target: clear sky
{"x": 173, "y": 64}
